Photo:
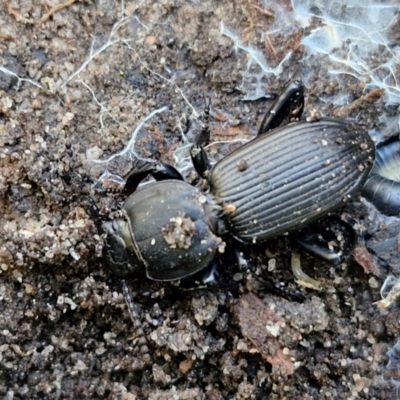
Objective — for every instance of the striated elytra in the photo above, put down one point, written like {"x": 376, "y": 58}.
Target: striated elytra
{"x": 293, "y": 176}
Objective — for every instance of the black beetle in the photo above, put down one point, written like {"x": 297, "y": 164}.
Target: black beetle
{"x": 279, "y": 182}
{"x": 383, "y": 185}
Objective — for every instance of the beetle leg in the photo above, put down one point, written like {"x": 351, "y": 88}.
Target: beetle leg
{"x": 164, "y": 171}
{"x": 330, "y": 239}
{"x": 200, "y": 161}
{"x": 283, "y": 291}
{"x": 95, "y": 213}
{"x": 301, "y": 277}
{"x": 202, "y": 278}
{"x": 287, "y": 107}
{"x": 134, "y": 178}
{"x": 159, "y": 171}
{"x": 198, "y": 155}
{"x": 204, "y": 137}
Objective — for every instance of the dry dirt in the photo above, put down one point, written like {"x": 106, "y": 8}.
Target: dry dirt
{"x": 76, "y": 82}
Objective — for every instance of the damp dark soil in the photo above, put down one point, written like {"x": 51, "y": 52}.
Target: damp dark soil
{"x": 76, "y": 80}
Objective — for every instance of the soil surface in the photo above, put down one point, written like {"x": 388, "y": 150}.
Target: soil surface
{"x": 76, "y": 82}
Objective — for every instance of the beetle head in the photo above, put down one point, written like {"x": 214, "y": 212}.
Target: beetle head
{"x": 119, "y": 250}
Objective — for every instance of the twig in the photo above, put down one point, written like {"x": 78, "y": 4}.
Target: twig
{"x": 263, "y": 11}
{"x": 373, "y": 94}
{"x": 53, "y": 10}
{"x": 16, "y": 14}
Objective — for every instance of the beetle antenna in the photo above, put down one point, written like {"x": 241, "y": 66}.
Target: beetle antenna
{"x": 133, "y": 313}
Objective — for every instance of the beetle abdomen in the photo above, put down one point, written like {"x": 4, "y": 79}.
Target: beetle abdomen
{"x": 291, "y": 176}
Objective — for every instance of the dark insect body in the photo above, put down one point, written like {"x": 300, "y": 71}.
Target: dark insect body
{"x": 383, "y": 185}
{"x": 294, "y": 175}
{"x": 280, "y": 182}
